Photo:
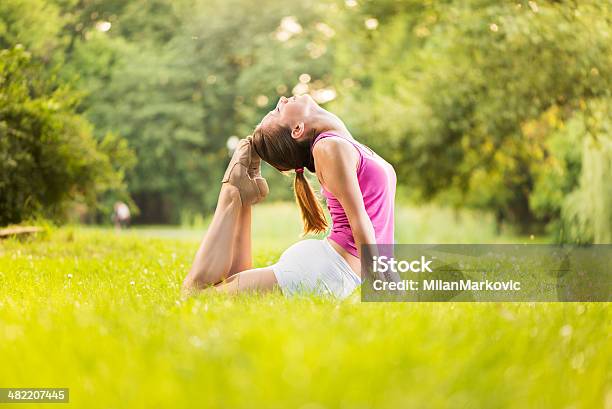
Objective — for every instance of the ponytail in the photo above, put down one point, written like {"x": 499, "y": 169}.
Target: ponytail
{"x": 276, "y": 146}
{"x": 312, "y": 212}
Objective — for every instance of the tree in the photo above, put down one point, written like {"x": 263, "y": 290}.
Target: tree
{"x": 48, "y": 156}
{"x": 458, "y": 90}
{"x": 179, "y": 95}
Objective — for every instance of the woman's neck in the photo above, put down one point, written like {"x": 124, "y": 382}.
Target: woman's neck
{"x": 325, "y": 121}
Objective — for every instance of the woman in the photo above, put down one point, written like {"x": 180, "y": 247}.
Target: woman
{"x": 359, "y": 187}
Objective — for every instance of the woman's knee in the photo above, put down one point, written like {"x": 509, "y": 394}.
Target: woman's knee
{"x": 207, "y": 272}
{"x": 197, "y": 280}
{"x": 257, "y": 279}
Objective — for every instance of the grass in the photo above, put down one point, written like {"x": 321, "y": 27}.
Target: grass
{"x": 99, "y": 312}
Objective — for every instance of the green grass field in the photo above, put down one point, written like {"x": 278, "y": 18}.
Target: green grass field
{"x": 99, "y": 312}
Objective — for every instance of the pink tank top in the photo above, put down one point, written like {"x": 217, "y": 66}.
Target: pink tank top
{"x": 377, "y": 182}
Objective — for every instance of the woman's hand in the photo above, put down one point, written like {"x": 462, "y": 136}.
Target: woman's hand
{"x": 244, "y": 172}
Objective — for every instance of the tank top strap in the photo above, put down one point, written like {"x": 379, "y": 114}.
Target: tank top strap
{"x": 322, "y": 135}
{"x": 360, "y": 148}
{"x": 353, "y": 142}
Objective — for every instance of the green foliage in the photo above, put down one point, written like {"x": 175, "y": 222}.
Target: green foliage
{"x": 457, "y": 94}
{"x": 48, "y": 157}
{"x": 177, "y": 96}
{"x": 477, "y": 103}
{"x": 36, "y": 24}
{"x": 587, "y": 211}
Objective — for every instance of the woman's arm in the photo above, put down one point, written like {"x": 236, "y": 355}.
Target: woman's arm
{"x": 336, "y": 162}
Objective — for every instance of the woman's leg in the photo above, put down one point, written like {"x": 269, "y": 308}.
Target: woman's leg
{"x": 256, "y": 279}
{"x": 242, "y": 259}
{"x": 226, "y": 247}
{"x": 215, "y": 256}
{"x": 225, "y": 252}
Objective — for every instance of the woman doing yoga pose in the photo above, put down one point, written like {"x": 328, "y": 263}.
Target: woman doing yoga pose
{"x": 359, "y": 187}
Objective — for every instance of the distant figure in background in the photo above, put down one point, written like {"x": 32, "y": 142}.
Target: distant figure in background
{"x": 121, "y": 215}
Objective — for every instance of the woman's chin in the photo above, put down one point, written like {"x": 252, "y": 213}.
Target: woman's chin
{"x": 308, "y": 99}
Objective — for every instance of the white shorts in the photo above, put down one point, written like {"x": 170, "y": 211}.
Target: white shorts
{"x": 314, "y": 267}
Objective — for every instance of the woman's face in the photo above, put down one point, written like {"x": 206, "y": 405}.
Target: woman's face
{"x": 289, "y": 112}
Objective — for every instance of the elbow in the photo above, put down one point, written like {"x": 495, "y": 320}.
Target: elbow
{"x": 364, "y": 234}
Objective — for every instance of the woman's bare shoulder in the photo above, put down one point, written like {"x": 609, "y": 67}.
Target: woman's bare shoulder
{"x": 333, "y": 152}
{"x": 331, "y": 147}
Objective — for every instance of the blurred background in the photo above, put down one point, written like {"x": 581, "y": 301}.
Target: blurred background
{"x": 498, "y": 109}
